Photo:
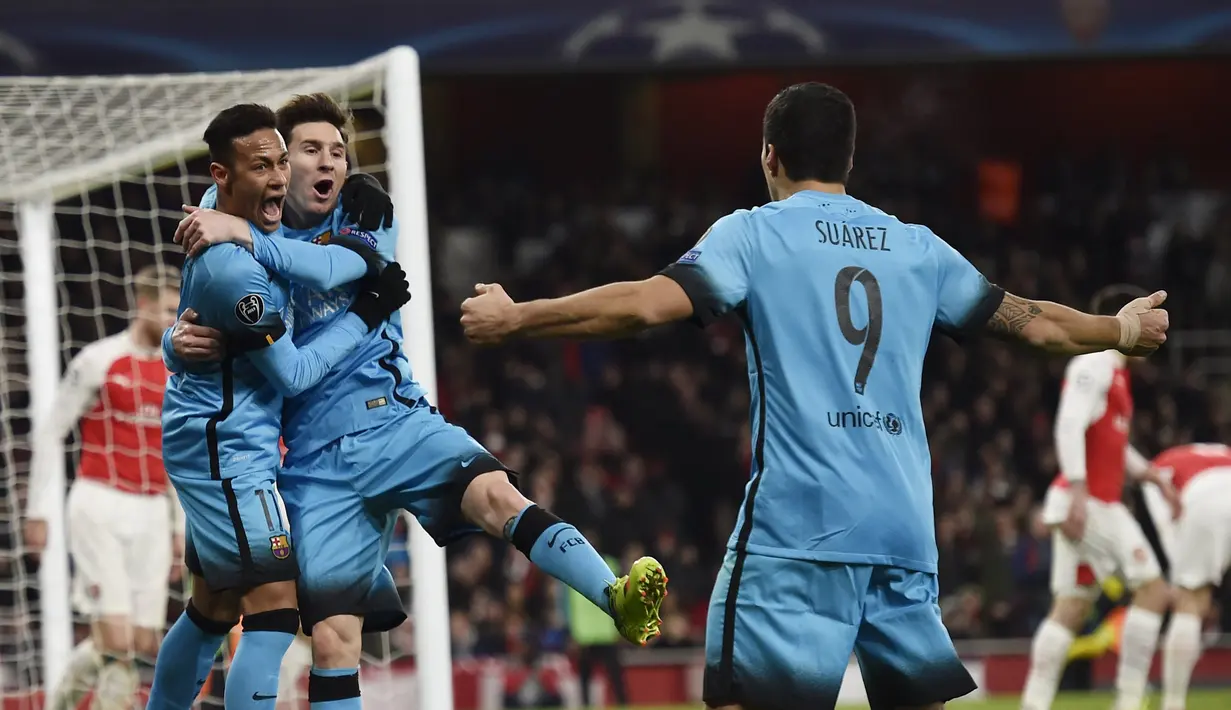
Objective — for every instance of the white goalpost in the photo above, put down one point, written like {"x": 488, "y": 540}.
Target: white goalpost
{"x": 92, "y": 174}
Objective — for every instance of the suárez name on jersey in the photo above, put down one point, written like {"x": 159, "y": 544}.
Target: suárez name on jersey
{"x": 841, "y": 234}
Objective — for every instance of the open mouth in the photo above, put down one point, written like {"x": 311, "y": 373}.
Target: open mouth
{"x": 271, "y": 208}
{"x": 323, "y": 189}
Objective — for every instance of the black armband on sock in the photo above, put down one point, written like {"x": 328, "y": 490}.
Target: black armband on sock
{"x": 206, "y": 624}
{"x": 283, "y": 620}
{"x": 530, "y": 527}
{"x": 327, "y": 688}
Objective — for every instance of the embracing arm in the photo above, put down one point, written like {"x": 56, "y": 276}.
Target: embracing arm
{"x": 254, "y": 326}
{"x": 294, "y": 369}
{"x": 320, "y": 267}
{"x": 170, "y": 358}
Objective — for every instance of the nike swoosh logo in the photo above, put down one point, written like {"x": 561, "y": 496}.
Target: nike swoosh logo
{"x": 259, "y": 697}
{"x": 552, "y": 541}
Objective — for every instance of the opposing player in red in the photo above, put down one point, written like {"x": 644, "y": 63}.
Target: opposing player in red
{"x": 124, "y": 527}
{"x": 1093, "y": 533}
{"x": 1198, "y": 543}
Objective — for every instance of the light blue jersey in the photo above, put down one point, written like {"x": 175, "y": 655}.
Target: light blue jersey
{"x": 838, "y": 301}
{"x": 363, "y": 445}
{"x": 369, "y": 387}
{"x": 221, "y": 420}
{"x": 222, "y": 417}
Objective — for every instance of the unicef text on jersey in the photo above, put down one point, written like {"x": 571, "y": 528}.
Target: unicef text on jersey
{"x": 887, "y": 422}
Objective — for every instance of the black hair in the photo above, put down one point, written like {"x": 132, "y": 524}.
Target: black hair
{"x": 236, "y": 122}
{"x": 1110, "y": 299}
{"x": 812, "y": 129}
{"x": 313, "y": 108}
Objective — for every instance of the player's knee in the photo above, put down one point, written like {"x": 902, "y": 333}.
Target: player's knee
{"x": 1154, "y": 596}
{"x": 1070, "y": 612}
{"x": 268, "y": 597}
{"x": 145, "y": 643}
{"x": 284, "y": 621}
{"x": 113, "y": 637}
{"x": 490, "y": 500}
{"x": 1192, "y": 601}
{"x": 207, "y": 605}
{"x": 337, "y": 642}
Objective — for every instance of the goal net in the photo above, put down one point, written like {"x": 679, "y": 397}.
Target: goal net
{"x": 93, "y": 172}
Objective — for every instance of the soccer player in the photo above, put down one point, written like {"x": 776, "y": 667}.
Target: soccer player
{"x": 125, "y": 532}
{"x": 366, "y": 442}
{"x": 222, "y": 420}
{"x": 1093, "y": 534}
{"x": 1198, "y": 545}
{"x": 834, "y": 549}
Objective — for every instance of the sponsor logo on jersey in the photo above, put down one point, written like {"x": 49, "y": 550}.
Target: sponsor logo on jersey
{"x": 280, "y": 545}
{"x": 378, "y": 402}
{"x": 359, "y": 234}
{"x": 691, "y": 256}
{"x": 250, "y": 309}
{"x": 887, "y": 422}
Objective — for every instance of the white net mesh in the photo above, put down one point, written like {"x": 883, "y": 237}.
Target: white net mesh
{"x": 119, "y": 156}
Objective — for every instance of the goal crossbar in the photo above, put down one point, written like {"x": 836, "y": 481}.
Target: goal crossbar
{"x": 51, "y": 147}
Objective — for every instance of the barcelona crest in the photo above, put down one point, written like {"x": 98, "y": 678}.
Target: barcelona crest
{"x": 280, "y": 546}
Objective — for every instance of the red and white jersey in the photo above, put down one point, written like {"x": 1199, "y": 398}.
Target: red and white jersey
{"x": 114, "y": 388}
{"x": 1092, "y": 426}
{"x": 1183, "y": 463}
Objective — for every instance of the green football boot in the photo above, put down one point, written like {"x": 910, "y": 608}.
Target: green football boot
{"x": 636, "y": 599}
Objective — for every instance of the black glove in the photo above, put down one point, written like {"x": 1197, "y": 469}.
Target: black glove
{"x": 379, "y": 297}
{"x": 370, "y": 257}
{"x": 365, "y": 203}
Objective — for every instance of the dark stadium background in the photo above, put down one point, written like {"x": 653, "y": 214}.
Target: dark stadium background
{"x": 1060, "y": 151}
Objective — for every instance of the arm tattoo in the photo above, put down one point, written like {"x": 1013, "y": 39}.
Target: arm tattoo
{"x": 1013, "y": 315}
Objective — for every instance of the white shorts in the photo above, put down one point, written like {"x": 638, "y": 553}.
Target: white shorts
{"x": 1202, "y": 550}
{"x": 1113, "y": 542}
{"x": 121, "y": 549}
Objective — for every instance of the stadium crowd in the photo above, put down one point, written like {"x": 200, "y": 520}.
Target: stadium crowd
{"x": 645, "y": 443}
{"x": 647, "y": 440}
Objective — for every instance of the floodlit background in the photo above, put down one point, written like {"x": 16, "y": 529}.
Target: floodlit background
{"x": 1061, "y": 145}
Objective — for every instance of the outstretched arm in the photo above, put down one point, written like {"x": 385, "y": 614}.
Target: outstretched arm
{"x": 968, "y": 302}
{"x": 1138, "y": 329}
{"x": 702, "y": 285}
{"x": 609, "y": 311}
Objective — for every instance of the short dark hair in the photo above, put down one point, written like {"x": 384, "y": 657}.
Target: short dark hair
{"x": 313, "y": 108}
{"x": 236, "y": 122}
{"x": 812, "y": 129}
{"x": 150, "y": 280}
{"x": 1110, "y": 299}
